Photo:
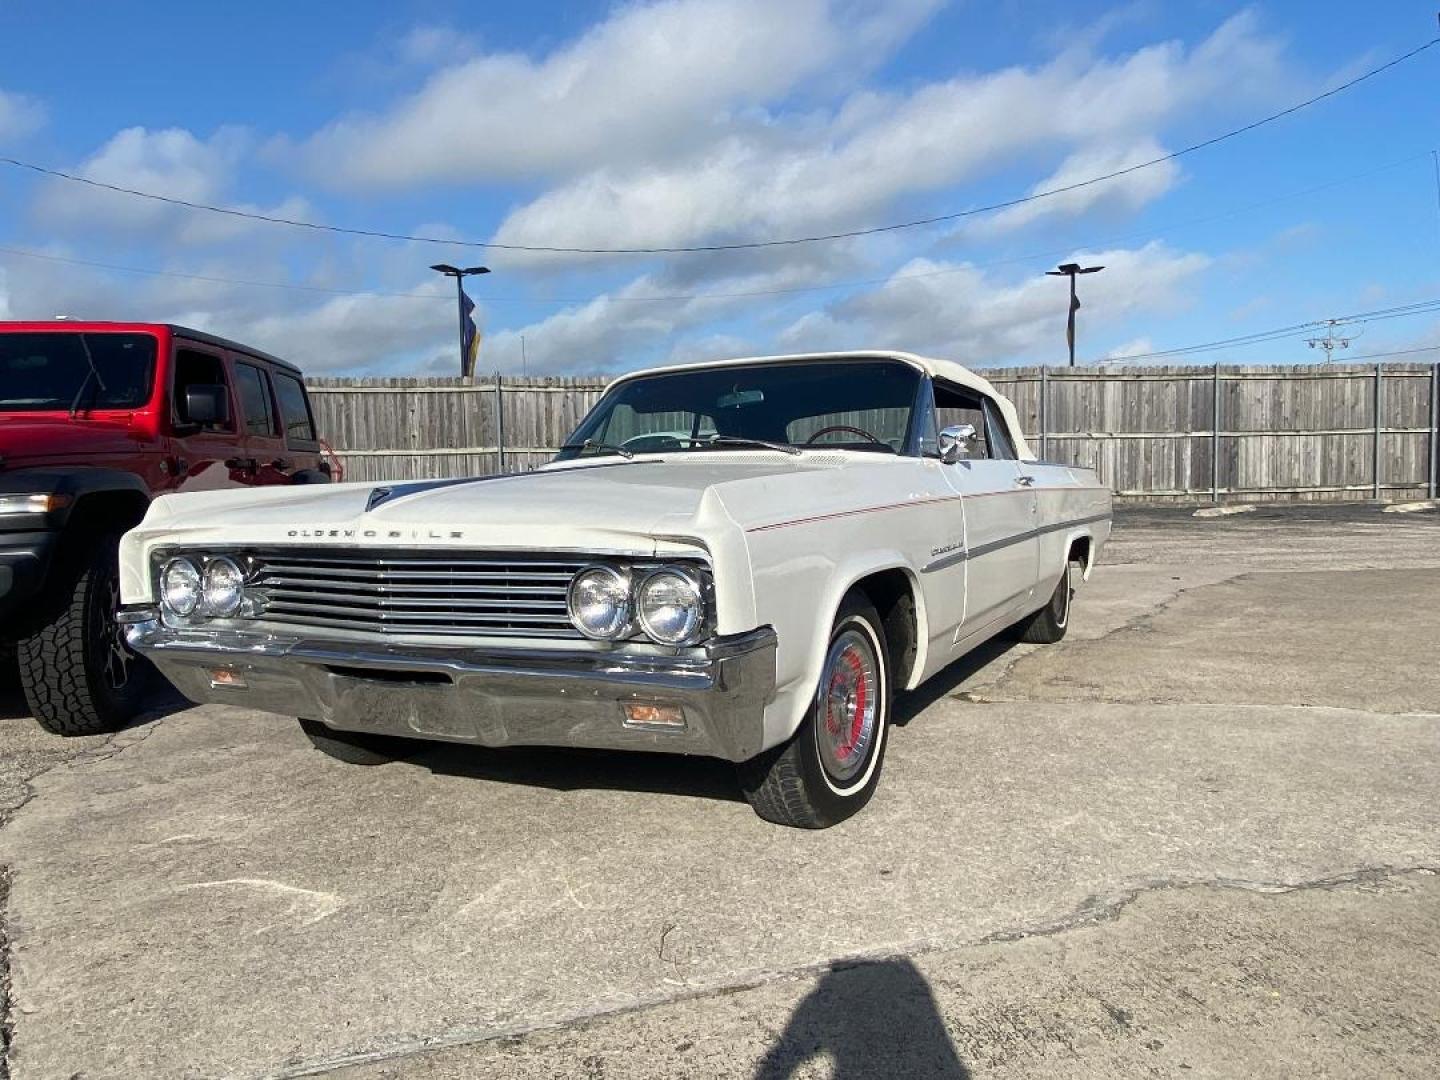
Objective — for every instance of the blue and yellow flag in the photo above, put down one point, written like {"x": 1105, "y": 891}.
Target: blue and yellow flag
{"x": 470, "y": 334}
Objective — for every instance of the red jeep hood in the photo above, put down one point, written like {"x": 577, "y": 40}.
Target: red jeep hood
{"x": 38, "y": 440}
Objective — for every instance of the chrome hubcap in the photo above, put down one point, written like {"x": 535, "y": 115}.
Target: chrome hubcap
{"x": 847, "y": 706}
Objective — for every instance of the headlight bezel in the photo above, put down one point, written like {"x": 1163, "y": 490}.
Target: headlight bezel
{"x": 694, "y": 625}
{"x": 634, "y": 629}
{"x": 219, "y": 564}
{"x": 180, "y": 564}
{"x": 623, "y": 579}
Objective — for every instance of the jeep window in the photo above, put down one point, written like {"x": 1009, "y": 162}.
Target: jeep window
{"x": 254, "y": 387}
{"x": 294, "y": 408}
{"x": 195, "y": 368}
{"x": 864, "y": 404}
{"x": 48, "y": 370}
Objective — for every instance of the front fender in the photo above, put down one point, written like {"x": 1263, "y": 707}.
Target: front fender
{"x": 799, "y": 596}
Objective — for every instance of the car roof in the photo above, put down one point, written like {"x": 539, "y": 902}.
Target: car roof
{"x": 85, "y": 326}
{"x": 935, "y": 367}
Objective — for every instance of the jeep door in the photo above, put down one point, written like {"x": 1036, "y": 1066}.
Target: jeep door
{"x": 202, "y": 454}
{"x": 297, "y": 423}
{"x": 263, "y": 458}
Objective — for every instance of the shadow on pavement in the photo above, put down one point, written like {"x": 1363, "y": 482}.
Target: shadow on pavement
{"x": 573, "y": 770}
{"x": 947, "y": 681}
{"x": 870, "y": 1019}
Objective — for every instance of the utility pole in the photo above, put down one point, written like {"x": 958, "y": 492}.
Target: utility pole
{"x": 1331, "y": 341}
{"x": 460, "y": 274}
{"x": 522, "y": 354}
{"x": 1070, "y": 270}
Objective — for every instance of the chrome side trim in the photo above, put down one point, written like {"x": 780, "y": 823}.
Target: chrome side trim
{"x": 954, "y": 557}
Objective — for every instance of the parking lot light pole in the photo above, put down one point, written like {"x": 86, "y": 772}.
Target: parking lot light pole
{"x": 1070, "y": 270}
{"x": 460, "y": 273}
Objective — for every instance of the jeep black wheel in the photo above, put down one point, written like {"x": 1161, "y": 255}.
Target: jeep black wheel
{"x": 79, "y": 676}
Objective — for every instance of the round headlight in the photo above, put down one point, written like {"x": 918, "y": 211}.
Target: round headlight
{"x": 180, "y": 587}
{"x": 224, "y": 586}
{"x": 599, "y": 602}
{"x": 671, "y": 606}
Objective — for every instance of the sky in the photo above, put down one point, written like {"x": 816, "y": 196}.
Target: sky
{"x": 685, "y": 123}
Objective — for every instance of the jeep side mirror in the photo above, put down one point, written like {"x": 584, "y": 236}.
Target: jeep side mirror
{"x": 207, "y": 404}
{"x": 956, "y": 442}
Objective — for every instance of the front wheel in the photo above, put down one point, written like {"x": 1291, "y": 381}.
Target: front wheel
{"x": 79, "y": 675}
{"x": 831, "y": 765}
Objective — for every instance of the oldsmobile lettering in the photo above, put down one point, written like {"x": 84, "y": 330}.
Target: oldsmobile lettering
{"x": 746, "y": 559}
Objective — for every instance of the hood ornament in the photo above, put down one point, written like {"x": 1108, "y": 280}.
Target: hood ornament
{"x": 378, "y": 496}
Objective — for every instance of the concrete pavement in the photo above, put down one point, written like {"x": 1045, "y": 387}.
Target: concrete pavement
{"x": 1197, "y": 838}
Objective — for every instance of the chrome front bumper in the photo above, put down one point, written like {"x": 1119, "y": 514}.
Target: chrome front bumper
{"x": 488, "y": 696}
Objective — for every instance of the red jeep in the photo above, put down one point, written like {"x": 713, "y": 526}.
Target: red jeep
{"x": 96, "y": 419}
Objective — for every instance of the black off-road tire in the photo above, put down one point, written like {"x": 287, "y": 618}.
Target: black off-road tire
{"x": 356, "y": 747}
{"x": 1048, "y": 625}
{"x": 788, "y": 784}
{"x": 79, "y": 677}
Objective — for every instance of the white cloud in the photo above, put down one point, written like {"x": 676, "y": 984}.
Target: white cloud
{"x": 1124, "y": 194}
{"x": 1140, "y": 346}
{"x": 20, "y": 115}
{"x": 804, "y": 174}
{"x": 172, "y": 162}
{"x": 652, "y": 80}
{"x": 957, "y": 310}
{"x": 619, "y": 329}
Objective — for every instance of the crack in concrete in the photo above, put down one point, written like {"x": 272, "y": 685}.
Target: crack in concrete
{"x": 1092, "y": 911}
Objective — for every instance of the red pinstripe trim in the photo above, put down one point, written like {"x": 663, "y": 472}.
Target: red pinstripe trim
{"x": 894, "y": 506}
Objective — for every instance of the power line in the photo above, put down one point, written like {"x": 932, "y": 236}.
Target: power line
{"x": 253, "y": 215}
{"x": 1009, "y": 260}
{"x": 1421, "y": 307}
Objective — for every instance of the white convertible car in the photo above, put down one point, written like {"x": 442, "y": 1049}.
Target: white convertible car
{"x": 744, "y": 559}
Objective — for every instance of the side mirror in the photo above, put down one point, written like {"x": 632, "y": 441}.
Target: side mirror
{"x": 956, "y": 442}
{"x": 207, "y": 404}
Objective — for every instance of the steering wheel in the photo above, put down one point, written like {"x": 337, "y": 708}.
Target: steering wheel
{"x": 841, "y": 427}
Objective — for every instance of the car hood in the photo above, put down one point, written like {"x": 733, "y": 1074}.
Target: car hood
{"x": 597, "y": 505}
{"x": 33, "y": 441}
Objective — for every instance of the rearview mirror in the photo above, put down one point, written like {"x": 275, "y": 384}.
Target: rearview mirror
{"x": 207, "y": 405}
{"x": 956, "y": 442}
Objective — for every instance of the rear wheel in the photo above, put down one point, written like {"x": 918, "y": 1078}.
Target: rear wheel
{"x": 1048, "y": 625}
{"x": 831, "y": 766}
{"x": 79, "y": 675}
{"x": 356, "y": 747}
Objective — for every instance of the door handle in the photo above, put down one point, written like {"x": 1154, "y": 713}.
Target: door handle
{"x": 1025, "y": 481}
{"x": 247, "y": 464}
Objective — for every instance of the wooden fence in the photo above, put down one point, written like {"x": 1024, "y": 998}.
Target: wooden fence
{"x": 1156, "y": 433}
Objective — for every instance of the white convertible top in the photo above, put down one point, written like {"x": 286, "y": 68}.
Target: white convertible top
{"x": 948, "y": 370}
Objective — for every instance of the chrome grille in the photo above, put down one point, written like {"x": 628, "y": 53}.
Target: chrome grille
{"x": 418, "y": 592}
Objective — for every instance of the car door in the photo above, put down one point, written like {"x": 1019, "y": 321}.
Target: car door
{"x": 201, "y": 456}
{"x": 263, "y": 455}
{"x": 1001, "y": 554}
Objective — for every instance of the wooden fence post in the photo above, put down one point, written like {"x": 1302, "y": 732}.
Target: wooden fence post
{"x": 499, "y": 424}
{"x": 1215, "y": 436}
{"x": 1045, "y": 414}
{"x": 1375, "y": 465}
{"x": 1434, "y": 427}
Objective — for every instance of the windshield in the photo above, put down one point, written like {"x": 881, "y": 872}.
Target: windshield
{"x": 850, "y": 404}
{"x": 43, "y": 371}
